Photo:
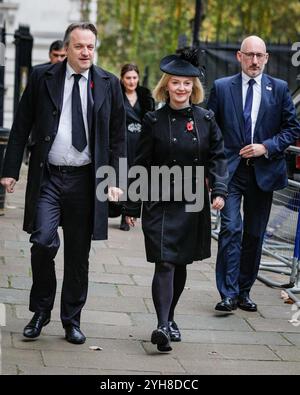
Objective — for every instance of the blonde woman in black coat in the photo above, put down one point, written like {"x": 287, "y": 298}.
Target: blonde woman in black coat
{"x": 183, "y": 134}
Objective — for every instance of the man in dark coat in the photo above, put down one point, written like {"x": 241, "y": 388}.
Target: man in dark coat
{"x": 57, "y": 52}
{"x": 76, "y": 114}
{"x": 258, "y": 120}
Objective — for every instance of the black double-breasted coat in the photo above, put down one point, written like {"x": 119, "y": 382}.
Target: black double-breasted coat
{"x": 39, "y": 111}
{"x": 171, "y": 233}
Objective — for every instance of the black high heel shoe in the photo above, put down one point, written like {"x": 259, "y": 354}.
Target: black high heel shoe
{"x": 123, "y": 224}
{"x": 174, "y": 332}
{"x": 161, "y": 338}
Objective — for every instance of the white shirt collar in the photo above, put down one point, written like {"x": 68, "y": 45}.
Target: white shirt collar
{"x": 70, "y": 71}
{"x": 246, "y": 79}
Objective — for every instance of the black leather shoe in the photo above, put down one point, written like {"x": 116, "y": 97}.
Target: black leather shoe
{"x": 226, "y": 304}
{"x": 161, "y": 338}
{"x": 74, "y": 335}
{"x": 34, "y": 327}
{"x": 174, "y": 332}
{"x": 245, "y": 303}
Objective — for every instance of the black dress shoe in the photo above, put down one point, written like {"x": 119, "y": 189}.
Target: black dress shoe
{"x": 161, "y": 338}
{"x": 174, "y": 332}
{"x": 226, "y": 304}
{"x": 34, "y": 327}
{"x": 74, "y": 335}
{"x": 245, "y": 303}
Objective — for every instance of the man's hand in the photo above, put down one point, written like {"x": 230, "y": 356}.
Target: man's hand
{"x": 9, "y": 184}
{"x": 218, "y": 203}
{"x": 253, "y": 150}
{"x": 114, "y": 194}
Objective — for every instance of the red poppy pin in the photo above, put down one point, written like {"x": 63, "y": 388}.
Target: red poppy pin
{"x": 92, "y": 85}
{"x": 190, "y": 126}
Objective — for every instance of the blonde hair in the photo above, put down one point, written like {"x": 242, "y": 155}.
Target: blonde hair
{"x": 161, "y": 94}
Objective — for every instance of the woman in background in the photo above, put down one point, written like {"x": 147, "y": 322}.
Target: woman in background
{"x": 138, "y": 101}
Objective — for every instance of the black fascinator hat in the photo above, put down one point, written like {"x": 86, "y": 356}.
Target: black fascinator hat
{"x": 185, "y": 64}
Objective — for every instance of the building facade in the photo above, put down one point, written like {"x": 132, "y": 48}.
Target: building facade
{"x": 47, "y": 21}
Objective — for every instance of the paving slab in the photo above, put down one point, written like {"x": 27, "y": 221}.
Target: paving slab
{"x": 11, "y": 370}
{"x": 113, "y": 361}
{"x": 135, "y": 270}
{"x": 99, "y": 290}
{"x": 220, "y": 351}
{"x": 16, "y": 296}
{"x": 293, "y": 338}
{"x": 287, "y": 353}
{"x": 3, "y": 281}
{"x": 228, "y": 367}
{"x": 15, "y": 269}
{"x": 92, "y": 316}
{"x": 57, "y": 343}
{"x": 212, "y": 322}
{"x": 118, "y": 304}
{"x": 283, "y": 312}
{"x": 230, "y": 337}
{"x": 273, "y": 325}
{"x": 59, "y": 371}
{"x": 135, "y": 261}
{"x": 13, "y": 356}
{"x": 110, "y": 278}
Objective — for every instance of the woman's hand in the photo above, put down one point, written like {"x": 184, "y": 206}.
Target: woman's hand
{"x": 130, "y": 220}
{"x": 218, "y": 203}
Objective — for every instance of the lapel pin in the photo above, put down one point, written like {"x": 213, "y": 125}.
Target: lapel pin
{"x": 269, "y": 88}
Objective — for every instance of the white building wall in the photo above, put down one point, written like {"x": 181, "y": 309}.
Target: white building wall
{"x": 48, "y": 20}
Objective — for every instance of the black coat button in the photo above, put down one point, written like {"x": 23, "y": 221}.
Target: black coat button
{"x": 175, "y": 140}
{"x": 47, "y": 138}
{"x": 41, "y": 164}
{"x": 174, "y": 161}
{"x": 195, "y": 139}
{"x": 196, "y": 160}
{"x": 54, "y": 112}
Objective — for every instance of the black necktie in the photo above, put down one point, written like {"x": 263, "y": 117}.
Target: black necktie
{"x": 247, "y": 112}
{"x": 78, "y": 130}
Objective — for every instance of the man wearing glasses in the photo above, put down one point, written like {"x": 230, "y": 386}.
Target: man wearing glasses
{"x": 257, "y": 117}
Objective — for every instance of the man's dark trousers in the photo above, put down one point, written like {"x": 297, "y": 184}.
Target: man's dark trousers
{"x": 236, "y": 272}
{"x": 65, "y": 199}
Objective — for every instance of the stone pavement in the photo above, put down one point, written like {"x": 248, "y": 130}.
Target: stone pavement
{"x": 119, "y": 316}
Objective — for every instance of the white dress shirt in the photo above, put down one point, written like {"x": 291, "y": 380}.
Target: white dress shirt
{"x": 62, "y": 152}
{"x": 256, "y": 98}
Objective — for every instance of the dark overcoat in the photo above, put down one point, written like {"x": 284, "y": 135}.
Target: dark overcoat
{"x": 145, "y": 99}
{"x": 146, "y": 103}
{"x": 39, "y": 111}
{"x": 134, "y": 117}
{"x": 171, "y": 233}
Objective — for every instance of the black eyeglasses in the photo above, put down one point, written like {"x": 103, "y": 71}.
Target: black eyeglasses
{"x": 250, "y": 55}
